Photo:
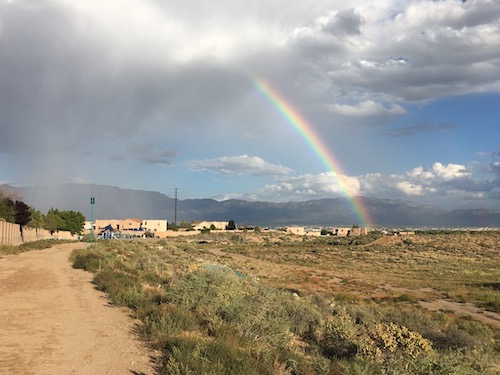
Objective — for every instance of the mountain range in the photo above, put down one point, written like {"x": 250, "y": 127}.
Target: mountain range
{"x": 116, "y": 203}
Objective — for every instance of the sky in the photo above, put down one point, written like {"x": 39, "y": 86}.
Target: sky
{"x": 282, "y": 100}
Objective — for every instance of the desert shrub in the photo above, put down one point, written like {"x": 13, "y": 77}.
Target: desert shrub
{"x": 478, "y": 330}
{"x": 383, "y": 339}
{"x": 340, "y": 337}
{"x": 463, "y": 333}
{"x": 490, "y": 301}
{"x": 28, "y": 246}
{"x": 216, "y": 296}
{"x": 457, "y": 362}
{"x": 303, "y": 315}
{"x": 406, "y": 297}
{"x": 88, "y": 261}
{"x": 444, "y": 331}
{"x": 186, "y": 356}
{"x": 321, "y": 365}
{"x": 163, "y": 321}
{"x": 39, "y": 245}
{"x": 123, "y": 289}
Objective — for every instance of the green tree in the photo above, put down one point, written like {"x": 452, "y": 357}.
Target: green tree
{"x": 72, "y": 221}
{"x": 23, "y": 213}
{"x": 52, "y": 221}
{"x": 7, "y": 209}
{"x": 231, "y": 225}
{"x": 36, "y": 219}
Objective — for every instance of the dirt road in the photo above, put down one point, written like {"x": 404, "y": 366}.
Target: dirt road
{"x": 53, "y": 321}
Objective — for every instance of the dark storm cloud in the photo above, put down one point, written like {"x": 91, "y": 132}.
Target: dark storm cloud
{"x": 344, "y": 22}
{"x": 146, "y": 153}
{"x": 60, "y": 80}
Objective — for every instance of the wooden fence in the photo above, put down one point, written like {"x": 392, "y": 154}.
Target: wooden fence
{"x": 10, "y": 234}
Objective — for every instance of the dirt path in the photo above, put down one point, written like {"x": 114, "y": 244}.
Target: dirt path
{"x": 53, "y": 321}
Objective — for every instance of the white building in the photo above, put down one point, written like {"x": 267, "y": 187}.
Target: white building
{"x": 154, "y": 225}
{"x": 218, "y": 225}
{"x": 296, "y": 230}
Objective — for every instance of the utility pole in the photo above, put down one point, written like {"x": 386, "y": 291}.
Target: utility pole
{"x": 175, "y": 207}
{"x": 92, "y": 202}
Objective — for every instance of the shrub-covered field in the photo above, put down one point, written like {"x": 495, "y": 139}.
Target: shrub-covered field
{"x": 281, "y": 304}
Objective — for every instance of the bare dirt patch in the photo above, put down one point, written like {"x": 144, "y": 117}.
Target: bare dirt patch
{"x": 53, "y": 321}
{"x": 467, "y": 309}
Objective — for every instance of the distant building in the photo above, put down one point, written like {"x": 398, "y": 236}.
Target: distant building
{"x": 154, "y": 225}
{"x": 404, "y": 233}
{"x": 345, "y": 232}
{"x": 218, "y": 225}
{"x": 341, "y": 232}
{"x": 99, "y": 225}
{"x": 300, "y": 231}
{"x": 131, "y": 224}
{"x": 359, "y": 231}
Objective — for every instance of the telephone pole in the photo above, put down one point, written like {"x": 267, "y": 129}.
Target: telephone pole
{"x": 92, "y": 202}
{"x": 175, "y": 207}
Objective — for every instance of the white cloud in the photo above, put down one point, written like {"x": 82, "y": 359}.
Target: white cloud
{"x": 420, "y": 174}
{"x": 409, "y": 189}
{"x": 367, "y": 108}
{"x": 450, "y": 171}
{"x": 441, "y": 184}
{"x": 309, "y": 186}
{"x": 238, "y": 165}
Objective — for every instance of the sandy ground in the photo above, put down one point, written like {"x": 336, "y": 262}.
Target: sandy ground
{"x": 53, "y": 321}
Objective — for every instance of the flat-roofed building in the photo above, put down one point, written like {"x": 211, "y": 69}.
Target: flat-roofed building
{"x": 218, "y": 225}
{"x": 154, "y": 225}
{"x": 296, "y": 230}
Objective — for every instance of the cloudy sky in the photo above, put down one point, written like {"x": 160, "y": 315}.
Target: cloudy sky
{"x": 163, "y": 94}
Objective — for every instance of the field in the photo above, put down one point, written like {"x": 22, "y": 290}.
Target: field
{"x": 274, "y": 303}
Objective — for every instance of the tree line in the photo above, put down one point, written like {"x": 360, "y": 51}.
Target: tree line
{"x": 14, "y": 210}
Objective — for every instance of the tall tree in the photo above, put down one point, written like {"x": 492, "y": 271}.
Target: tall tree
{"x": 23, "y": 213}
{"x": 52, "y": 221}
{"x": 231, "y": 225}
{"x": 7, "y": 209}
{"x": 72, "y": 221}
{"x": 36, "y": 219}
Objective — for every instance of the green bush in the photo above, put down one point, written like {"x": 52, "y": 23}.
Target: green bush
{"x": 163, "y": 321}
{"x": 383, "y": 339}
{"x": 341, "y": 336}
{"x": 88, "y": 261}
{"x": 186, "y": 356}
{"x": 123, "y": 289}
{"x": 490, "y": 301}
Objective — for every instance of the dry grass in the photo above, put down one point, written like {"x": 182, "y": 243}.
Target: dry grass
{"x": 464, "y": 266}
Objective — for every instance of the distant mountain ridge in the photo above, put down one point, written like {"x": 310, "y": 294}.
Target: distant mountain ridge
{"x": 116, "y": 203}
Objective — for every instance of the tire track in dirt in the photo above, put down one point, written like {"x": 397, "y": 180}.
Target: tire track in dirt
{"x": 53, "y": 321}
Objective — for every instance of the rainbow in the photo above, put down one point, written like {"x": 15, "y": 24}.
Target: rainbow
{"x": 318, "y": 147}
